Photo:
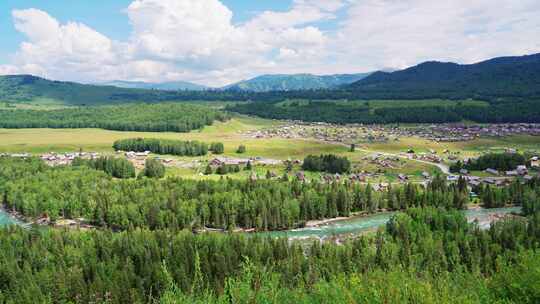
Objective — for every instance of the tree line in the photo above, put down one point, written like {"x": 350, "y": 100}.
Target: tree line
{"x": 344, "y": 113}
{"x": 162, "y": 146}
{"x": 163, "y": 117}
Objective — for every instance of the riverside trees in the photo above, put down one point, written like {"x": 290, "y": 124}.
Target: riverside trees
{"x": 174, "y": 203}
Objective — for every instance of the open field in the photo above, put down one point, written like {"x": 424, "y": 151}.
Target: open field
{"x": 97, "y": 140}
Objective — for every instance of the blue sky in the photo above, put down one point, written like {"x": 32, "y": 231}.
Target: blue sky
{"x": 216, "y": 42}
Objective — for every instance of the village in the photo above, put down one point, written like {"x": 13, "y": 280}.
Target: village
{"x": 379, "y": 163}
{"x": 358, "y": 133}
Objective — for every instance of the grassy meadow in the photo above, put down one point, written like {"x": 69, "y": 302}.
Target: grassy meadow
{"x": 98, "y": 140}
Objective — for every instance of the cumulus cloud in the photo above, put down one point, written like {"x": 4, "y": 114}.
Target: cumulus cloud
{"x": 54, "y": 49}
{"x": 198, "y": 41}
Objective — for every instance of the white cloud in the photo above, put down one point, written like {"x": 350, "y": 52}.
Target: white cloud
{"x": 172, "y": 29}
{"x": 36, "y": 25}
{"x": 59, "y": 51}
{"x": 388, "y": 33}
{"x": 198, "y": 41}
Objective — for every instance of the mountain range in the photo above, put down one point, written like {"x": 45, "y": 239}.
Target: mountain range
{"x": 498, "y": 79}
{"x": 295, "y": 82}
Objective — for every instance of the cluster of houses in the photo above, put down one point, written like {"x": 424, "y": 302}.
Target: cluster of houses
{"x": 499, "y": 178}
{"x": 352, "y": 133}
{"x": 330, "y": 178}
{"x": 463, "y": 132}
{"x": 138, "y": 159}
{"x": 55, "y": 159}
{"x": 381, "y": 160}
{"x": 223, "y": 160}
{"x": 327, "y": 132}
{"x": 429, "y": 157}
{"x": 59, "y": 159}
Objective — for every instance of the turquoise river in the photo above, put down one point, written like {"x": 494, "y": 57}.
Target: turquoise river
{"x": 350, "y": 226}
{"x": 362, "y": 224}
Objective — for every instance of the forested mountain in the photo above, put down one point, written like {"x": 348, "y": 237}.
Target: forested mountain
{"x": 32, "y": 89}
{"x": 284, "y": 82}
{"x": 163, "y": 86}
{"x": 494, "y": 80}
{"x": 25, "y": 88}
{"x": 29, "y": 89}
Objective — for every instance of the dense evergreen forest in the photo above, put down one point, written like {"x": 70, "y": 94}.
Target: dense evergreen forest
{"x": 162, "y": 146}
{"x": 155, "y": 258}
{"x": 72, "y": 192}
{"x": 353, "y": 112}
{"x": 115, "y": 167}
{"x": 163, "y": 117}
{"x": 425, "y": 255}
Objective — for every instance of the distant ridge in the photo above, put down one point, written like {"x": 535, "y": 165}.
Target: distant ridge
{"x": 498, "y": 77}
{"x": 295, "y": 82}
{"x": 163, "y": 86}
{"x": 33, "y": 89}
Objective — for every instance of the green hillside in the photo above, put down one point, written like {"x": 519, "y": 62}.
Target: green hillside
{"x": 283, "y": 82}
{"x": 27, "y": 88}
{"x": 495, "y": 80}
